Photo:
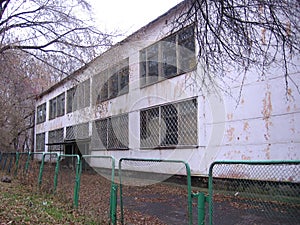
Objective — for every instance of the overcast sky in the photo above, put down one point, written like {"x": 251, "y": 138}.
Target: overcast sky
{"x": 127, "y": 16}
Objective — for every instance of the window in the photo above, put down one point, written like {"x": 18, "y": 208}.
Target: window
{"x": 111, "y": 133}
{"x": 83, "y": 94}
{"x": 169, "y": 57}
{"x": 52, "y": 109}
{"x": 57, "y": 106}
{"x": 40, "y": 142}
{"x": 41, "y": 113}
{"x": 70, "y": 99}
{"x": 78, "y": 97}
{"x": 79, "y": 131}
{"x": 111, "y": 82}
{"x": 61, "y": 104}
{"x": 169, "y": 125}
{"x": 55, "y": 138}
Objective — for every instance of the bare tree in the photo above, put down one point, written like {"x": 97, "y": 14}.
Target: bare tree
{"x": 54, "y": 32}
{"x": 244, "y": 35}
{"x": 41, "y": 41}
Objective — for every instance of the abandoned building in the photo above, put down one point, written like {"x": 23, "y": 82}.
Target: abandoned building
{"x": 144, "y": 98}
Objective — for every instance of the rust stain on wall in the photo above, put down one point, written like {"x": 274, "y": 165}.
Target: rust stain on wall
{"x": 229, "y": 116}
{"x": 246, "y": 126}
{"x": 230, "y": 134}
{"x": 267, "y": 151}
{"x": 266, "y": 112}
{"x": 267, "y": 105}
{"x": 244, "y": 157}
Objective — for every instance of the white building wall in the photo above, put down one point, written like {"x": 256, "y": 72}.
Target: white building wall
{"x": 261, "y": 121}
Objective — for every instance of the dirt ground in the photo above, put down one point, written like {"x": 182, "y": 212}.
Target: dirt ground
{"x": 159, "y": 203}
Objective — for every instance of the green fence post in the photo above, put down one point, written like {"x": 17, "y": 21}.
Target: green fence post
{"x": 201, "y": 199}
{"x": 113, "y": 204}
{"x": 77, "y": 178}
{"x": 41, "y": 170}
{"x": 27, "y": 162}
{"x": 77, "y": 181}
{"x": 113, "y": 189}
{"x": 5, "y": 161}
{"x": 56, "y": 173}
{"x": 17, "y": 163}
{"x": 189, "y": 186}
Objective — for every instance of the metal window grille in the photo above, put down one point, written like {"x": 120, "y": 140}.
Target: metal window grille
{"x": 169, "y": 125}
{"x": 40, "y": 142}
{"x": 117, "y": 132}
{"x": 110, "y": 133}
{"x": 55, "y": 136}
{"x": 82, "y": 131}
{"x": 79, "y": 131}
{"x": 70, "y": 134}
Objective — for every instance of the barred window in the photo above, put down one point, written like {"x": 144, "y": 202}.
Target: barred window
{"x": 79, "y": 131}
{"x": 111, "y": 133}
{"x": 169, "y": 57}
{"x": 41, "y": 113}
{"x": 169, "y": 125}
{"x": 40, "y": 142}
{"x": 111, "y": 82}
{"x": 57, "y": 106}
{"x": 55, "y": 136}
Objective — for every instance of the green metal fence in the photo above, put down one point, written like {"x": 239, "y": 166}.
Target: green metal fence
{"x": 7, "y": 161}
{"x": 105, "y": 171}
{"x": 75, "y": 177}
{"x": 254, "y": 192}
{"x": 42, "y": 168}
{"x": 124, "y": 171}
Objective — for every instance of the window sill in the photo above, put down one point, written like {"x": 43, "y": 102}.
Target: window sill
{"x": 170, "y": 147}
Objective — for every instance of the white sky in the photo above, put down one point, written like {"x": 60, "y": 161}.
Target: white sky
{"x": 127, "y": 16}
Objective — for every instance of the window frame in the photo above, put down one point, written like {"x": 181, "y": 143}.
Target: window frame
{"x": 162, "y": 61}
{"x": 41, "y": 109}
{"x": 38, "y": 144}
{"x": 111, "y": 83}
{"x": 108, "y": 137}
{"x": 180, "y": 127}
{"x": 76, "y": 101}
{"x": 57, "y": 106}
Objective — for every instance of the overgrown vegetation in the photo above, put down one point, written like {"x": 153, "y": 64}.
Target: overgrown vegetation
{"x": 19, "y": 205}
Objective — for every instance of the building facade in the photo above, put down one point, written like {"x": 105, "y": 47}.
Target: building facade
{"x": 143, "y": 98}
